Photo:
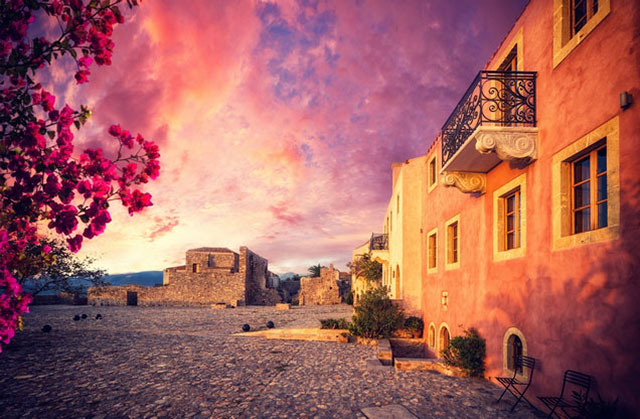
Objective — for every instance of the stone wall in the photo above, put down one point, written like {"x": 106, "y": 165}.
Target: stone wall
{"x": 257, "y": 274}
{"x": 322, "y": 290}
{"x": 218, "y": 259}
{"x": 221, "y": 276}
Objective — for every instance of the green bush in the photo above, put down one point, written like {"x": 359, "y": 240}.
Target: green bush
{"x": 415, "y": 325}
{"x": 375, "y": 315}
{"x": 467, "y": 352}
{"x": 334, "y": 324}
{"x": 349, "y": 298}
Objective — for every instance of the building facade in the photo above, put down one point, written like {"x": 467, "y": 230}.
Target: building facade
{"x": 530, "y": 210}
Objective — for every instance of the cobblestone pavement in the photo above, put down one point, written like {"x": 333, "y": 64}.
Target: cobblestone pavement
{"x": 184, "y": 362}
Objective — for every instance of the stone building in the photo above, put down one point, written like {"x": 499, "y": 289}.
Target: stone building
{"x": 522, "y": 217}
{"x": 325, "y": 289}
{"x": 211, "y": 275}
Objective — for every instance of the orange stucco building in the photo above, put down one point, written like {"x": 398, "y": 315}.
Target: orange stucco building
{"x": 524, "y": 215}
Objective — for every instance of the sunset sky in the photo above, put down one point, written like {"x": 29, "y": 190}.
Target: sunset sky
{"x": 277, "y": 122}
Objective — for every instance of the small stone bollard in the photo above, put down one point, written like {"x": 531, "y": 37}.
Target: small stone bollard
{"x": 246, "y": 327}
{"x": 98, "y": 316}
{"x": 76, "y": 318}
{"x": 46, "y": 328}
{"x": 281, "y": 306}
{"x": 270, "y": 324}
{"x": 84, "y": 316}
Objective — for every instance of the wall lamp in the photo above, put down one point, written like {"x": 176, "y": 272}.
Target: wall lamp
{"x": 626, "y": 99}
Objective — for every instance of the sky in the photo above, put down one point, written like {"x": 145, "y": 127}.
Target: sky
{"x": 277, "y": 121}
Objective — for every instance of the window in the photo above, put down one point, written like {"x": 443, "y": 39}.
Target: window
{"x": 398, "y": 204}
{"x": 433, "y": 173}
{"x": 432, "y": 251}
{"x": 445, "y": 300}
{"x": 581, "y": 12}
{"x": 589, "y": 190}
{"x": 510, "y": 219}
{"x": 391, "y": 221}
{"x": 194, "y": 267}
{"x": 398, "y": 293}
{"x": 453, "y": 243}
{"x": 452, "y": 233}
{"x": 586, "y": 188}
{"x": 573, "y": 20}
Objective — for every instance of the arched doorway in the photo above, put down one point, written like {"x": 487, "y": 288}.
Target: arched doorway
{"x": 514, "y": 346}
{"x": 514, "y": 351}
{"x": 444, "y": 338}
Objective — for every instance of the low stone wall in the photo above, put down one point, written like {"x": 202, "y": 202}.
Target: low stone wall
{"x": 202, "y": 289}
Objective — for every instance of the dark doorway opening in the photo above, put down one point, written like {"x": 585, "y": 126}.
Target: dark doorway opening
{"x": 132, "y": 298}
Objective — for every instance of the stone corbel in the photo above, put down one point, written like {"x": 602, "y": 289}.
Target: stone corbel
{"x": 515, "y": 146}
{"x": 467, "y": 182}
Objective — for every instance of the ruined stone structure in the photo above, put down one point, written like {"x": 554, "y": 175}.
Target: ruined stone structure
{"x": 211, "y": 275}
{"x": 321, "y": 290}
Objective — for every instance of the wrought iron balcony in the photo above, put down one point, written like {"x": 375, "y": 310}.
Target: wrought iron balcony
{"x": 497, "y": 102}
{"x": 379, "y": 242}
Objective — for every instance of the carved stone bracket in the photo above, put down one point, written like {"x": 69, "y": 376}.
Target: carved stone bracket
{"x": 517, "y": 145}
{"x": 467, "y": 182}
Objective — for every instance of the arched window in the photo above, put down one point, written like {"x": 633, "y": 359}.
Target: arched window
{"x": 432, "y": 336}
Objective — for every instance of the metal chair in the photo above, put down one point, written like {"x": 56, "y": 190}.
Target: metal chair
{"x": 512, "y": 383}
{"x": 580, "y": 385}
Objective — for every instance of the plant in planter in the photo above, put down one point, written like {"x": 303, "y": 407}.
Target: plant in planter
{"x": 375, "y": 315}
{"x": 467, "y": 353}
{"x": 414, "y": 325}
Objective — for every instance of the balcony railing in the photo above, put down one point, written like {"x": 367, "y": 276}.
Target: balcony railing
{"x": 495, "y": 98}
{"x": 379, "y": 242}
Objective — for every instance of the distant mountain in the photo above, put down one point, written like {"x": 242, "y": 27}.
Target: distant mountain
{"x": 288, "y": 275}
{"x": 145, "y": 279}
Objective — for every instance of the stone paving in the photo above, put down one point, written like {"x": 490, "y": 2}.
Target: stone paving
{"x": 184, "y": 362}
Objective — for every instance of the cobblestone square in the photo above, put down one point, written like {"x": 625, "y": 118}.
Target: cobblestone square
{"x": 185, "y": 362}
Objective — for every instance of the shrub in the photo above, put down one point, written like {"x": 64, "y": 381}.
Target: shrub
{"x": 334, "y": 324}
{"x": 375, "y": 315}
{"x": 349, "y": 298}
{"x": 415, "y": 325}
{"x": 467, "y": 352}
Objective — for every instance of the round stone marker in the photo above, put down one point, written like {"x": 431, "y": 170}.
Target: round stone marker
{"x": 98, "y": 316}
{"x": 246, "y": 327}
{"x": 270, "y": 324}
{"x": 84, "y": 316}
{"x": 76, "y": 318}
{"x": 46, "y": 328}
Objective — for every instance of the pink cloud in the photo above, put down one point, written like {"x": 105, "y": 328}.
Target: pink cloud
{"x": 279, "y": 121}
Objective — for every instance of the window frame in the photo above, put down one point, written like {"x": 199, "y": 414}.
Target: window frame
{"x": 432, "y": 233}
{"x": 563, "y": 236}
{"x": 565, "y": 37}
{"x": 432, "y": 175}
{"x": 451, "y": 242}
{"x": 592, "y": 179}
{"x": 500, "y": 250}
